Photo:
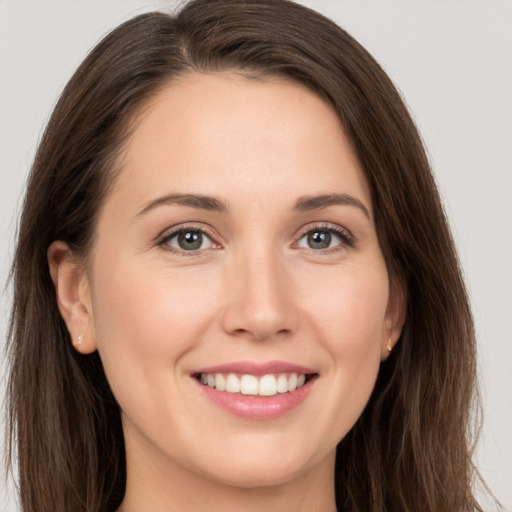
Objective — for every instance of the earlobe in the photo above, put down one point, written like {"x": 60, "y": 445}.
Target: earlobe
{"x": 73, "y": 296}
{"x": 395, "y": 317}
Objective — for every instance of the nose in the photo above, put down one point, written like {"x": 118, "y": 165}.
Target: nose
{"x": 260, "y": 300}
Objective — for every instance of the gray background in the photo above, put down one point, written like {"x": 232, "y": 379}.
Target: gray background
{"x": 452, "y": 60}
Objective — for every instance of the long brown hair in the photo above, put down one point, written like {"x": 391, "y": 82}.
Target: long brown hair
{"x": 411, "y": 448}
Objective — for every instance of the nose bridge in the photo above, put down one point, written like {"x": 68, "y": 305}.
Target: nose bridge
{"x": 259, "y": 303}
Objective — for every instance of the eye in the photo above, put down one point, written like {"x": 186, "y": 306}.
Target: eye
{"x": 325, "y": 238}
{"x": 187, "y": 240}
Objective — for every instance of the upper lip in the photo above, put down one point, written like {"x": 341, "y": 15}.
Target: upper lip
{"x": 257, "y": 369}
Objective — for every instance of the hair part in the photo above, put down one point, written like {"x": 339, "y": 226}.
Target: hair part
{"x": 411, "y": 448}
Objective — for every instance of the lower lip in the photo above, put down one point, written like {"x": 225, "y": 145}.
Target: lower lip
{"x": 255, "y": 407}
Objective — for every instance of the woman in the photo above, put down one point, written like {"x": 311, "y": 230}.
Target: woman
{"x": 244, "y": 294}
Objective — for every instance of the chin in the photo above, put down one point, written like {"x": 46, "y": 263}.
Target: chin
{"x": 252, "y": 472}
{"x": 252, "y": 477}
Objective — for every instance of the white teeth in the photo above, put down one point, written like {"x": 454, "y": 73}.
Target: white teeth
{"x": 249, "y": 385}
{"x": 267, "y": 385}
{"x": 282, "y": 383}
{"x": 220, "y": 382}
{"x": 232, "y": 384}
{"x": 292, "y": 382}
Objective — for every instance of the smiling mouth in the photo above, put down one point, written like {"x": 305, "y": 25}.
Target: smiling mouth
{"x": 247, "y": 384}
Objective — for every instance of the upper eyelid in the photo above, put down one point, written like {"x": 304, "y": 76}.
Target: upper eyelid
{"x": 174, "y": 230}
{"x": 347, "y": 239}
{"x": 162, "y": 241}
{"x": 325, "y": 226}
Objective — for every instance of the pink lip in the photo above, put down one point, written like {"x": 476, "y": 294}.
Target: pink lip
{"x": 256, "y": 407}
{"x": 257, "y": 369}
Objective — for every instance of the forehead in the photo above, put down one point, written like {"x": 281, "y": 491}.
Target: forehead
{"x": 210, "y": 130}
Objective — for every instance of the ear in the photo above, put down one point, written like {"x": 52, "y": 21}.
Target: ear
{"x": 395, "y": 316}
{"x": 73, "y": 292}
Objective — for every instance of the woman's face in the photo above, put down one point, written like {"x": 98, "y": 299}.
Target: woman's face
{"x": 238, "y": 248}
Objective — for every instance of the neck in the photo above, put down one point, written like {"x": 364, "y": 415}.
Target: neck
{"x": 158, "y": 484}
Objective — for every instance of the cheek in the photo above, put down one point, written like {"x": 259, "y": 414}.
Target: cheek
{"x": 358, "y": 317}
{"x": 349, "y": 308}
{"x": 349, "y": 318}
{"x": 146, "y": 321}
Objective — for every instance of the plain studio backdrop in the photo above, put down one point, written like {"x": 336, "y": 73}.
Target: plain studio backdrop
{"x": 452, "y": 61}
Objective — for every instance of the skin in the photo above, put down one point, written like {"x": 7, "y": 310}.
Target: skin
{"x": 256, "y": 292}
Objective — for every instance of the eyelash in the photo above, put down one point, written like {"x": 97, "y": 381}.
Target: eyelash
{"x": 347, "y": 240}
{"x": 168, "y": 235}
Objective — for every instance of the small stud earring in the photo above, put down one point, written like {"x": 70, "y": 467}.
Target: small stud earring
{"x": 79, "y": 340}
{"x": 390, "y": 346}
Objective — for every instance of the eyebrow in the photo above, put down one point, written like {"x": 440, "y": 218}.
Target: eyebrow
{"x": 200, "y": 202}
{"x": 308, "y": 203}
{"x": 212, "y": 204}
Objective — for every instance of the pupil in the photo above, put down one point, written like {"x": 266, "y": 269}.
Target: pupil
{"x": 319, "y": 240}
{"x": 190, "y": 240}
